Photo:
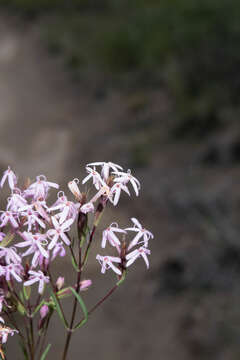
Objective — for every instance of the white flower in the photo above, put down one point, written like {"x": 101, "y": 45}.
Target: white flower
{"x": 141, "y": 232}
{"x": 124, "y": 178}
{"x": 12, "y": 179}
{"x": 116, "y": 191}
{"x": 107, "y": 262}
{"x": 108, "y": 235}
{"x": 95, "y": 176}
{"x": 106, "y": 167}
{"x": 142, "y": 251}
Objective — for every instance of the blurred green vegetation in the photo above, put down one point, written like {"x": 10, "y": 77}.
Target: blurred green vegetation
{"x": 189, "y": 46}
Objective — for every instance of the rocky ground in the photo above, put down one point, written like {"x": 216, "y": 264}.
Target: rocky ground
{"x": 186, "y": 306}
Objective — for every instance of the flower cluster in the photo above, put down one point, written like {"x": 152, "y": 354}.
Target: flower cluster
{"x": 33, "y": 233}
{"x": 125, "y": 257}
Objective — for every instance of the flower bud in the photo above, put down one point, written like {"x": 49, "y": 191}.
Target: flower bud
{"x": 84, "y": 285}
{"x": 44, "y": 311}
{"x": 73, "y": 187}
{"x": 59, "y": 283}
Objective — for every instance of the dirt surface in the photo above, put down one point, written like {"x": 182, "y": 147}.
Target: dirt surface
{"x": 186, "y": 305}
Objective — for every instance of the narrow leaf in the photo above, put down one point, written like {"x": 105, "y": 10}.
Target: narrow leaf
{"x": 59, "y": 310}
{"x": 43, "y": 357}
{"x": 83, "y": 306}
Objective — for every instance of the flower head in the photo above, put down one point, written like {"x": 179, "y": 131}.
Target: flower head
{"x": 11, "y": 177}
{"x": 59, "y": 232}
{"x": 124, "y": 178}
{"x": 135, "y": 254}
{"x": 37, "y": 276}
{"x": 107, "y": 262}
{"x": 141, "y": 233}
{"x": 106, "y": 168}
{"x": 109, "y": 235}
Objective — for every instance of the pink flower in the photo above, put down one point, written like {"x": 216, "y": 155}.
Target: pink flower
{"x": 142, "y": 251}
{"x": 109, "y": 235}
{"x": 68, "y": 210}
{"x": 37, "y": 276}
{"x": 39, "y": 189}
{"x": 58, "y": 250}
{"x": 107, "y": 262}
{"x": 13, "y": 270}
{"x": 141, "y": 232}
{"x": 36, "y": 243}
{"x": 11, "y": 177}
{"x": 59, "y": 231}
{"x": 106, "y": 167}
{"x": 32, "y": 218}
{"x": 7, "y": 217}
{"x": 124, "y": 178}
{"x": 10, "y": 255}
{"x": 15, "y": 202}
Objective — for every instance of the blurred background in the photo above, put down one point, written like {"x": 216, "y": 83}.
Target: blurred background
{"x": 154, "y": 86}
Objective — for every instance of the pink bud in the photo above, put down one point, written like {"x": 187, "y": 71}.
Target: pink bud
{"x": 44, "y": 311}
{"x": 84, "y": 285}
{"x": 59, "y": 283}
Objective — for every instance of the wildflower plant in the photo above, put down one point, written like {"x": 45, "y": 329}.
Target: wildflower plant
{"x": 34, "y": 233}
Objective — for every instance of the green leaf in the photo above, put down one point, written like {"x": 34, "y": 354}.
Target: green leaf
{"x": 83, "y": 306}
{"x": 43, "y": 357}
{"x": 27, "y": 292}
{"x": 59, "y": 310}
